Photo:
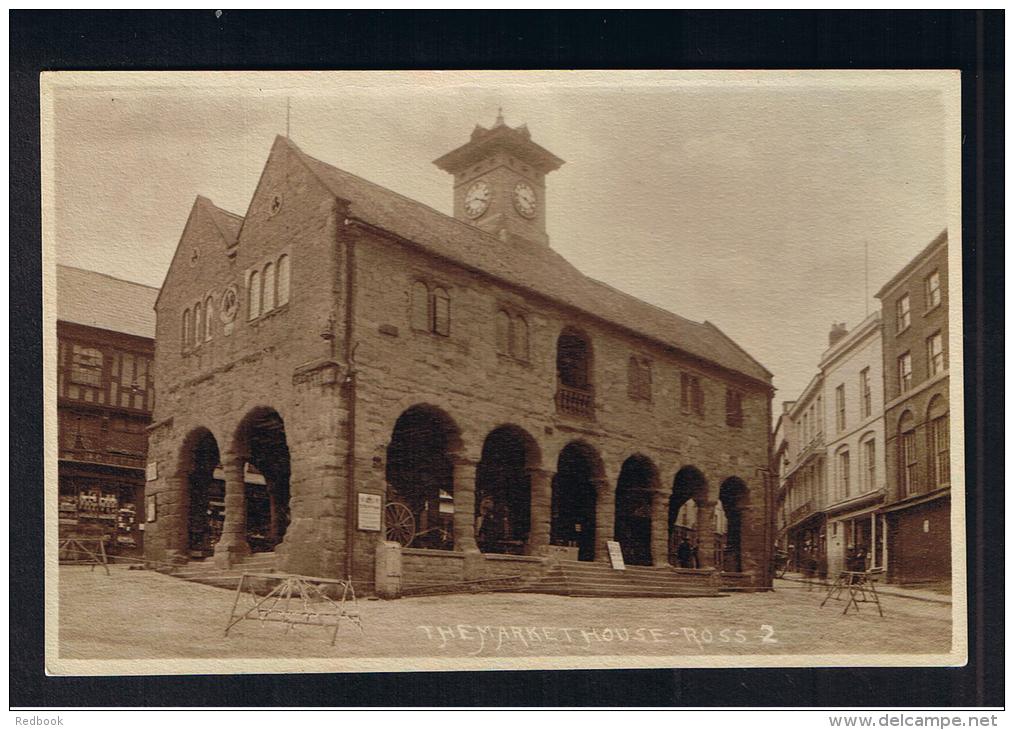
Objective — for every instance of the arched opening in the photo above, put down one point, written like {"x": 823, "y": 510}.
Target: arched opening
{"x": 638, "y": 477}
{"x": 734, "y": 497}
{"x": 206, "y": 511}
{"x": 689, "y": 492}
{"x": 420, "y": 475}
{"x": 262, "y": 434}
{"x": 574, "y": 374}
{"x": 503, "y": 491}
{"x": 578, "y": 471}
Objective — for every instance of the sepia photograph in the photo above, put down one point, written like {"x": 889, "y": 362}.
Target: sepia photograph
{"x": 446, "y": 370}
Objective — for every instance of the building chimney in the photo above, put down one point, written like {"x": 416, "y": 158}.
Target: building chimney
{"x": 838, "y": 330}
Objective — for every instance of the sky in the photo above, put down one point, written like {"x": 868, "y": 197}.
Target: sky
{"x": 762, "y": 202}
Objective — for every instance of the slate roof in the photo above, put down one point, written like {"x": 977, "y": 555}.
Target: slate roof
{"x": 532, "y": 267}
{"x": 99, "y": 300}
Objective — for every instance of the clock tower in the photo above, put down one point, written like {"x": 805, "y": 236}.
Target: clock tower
{"x": 500, "y": 182}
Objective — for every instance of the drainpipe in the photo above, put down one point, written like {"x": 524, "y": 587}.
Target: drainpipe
{"x": 350, "y": 394}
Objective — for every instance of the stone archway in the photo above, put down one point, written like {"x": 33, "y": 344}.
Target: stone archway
{"x": 204, "y": 494}
{"x": 734, "y": 496}
{"x": 421, "y": 471}
{"x": 579, "y": 478}
{"x": 691, "y": 521}
{"x": 267, "y": 480}
{"x": 503, "y": 491}
{"x": 634, "y": 495}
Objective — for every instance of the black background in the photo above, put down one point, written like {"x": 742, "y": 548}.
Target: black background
{"x": 971, "y": 41}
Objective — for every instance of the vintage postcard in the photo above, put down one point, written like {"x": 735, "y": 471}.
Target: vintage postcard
{"x": 502, "y": 370}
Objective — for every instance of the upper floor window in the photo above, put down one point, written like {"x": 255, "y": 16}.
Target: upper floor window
{"x": 869, "y": 452}
{"x": 185, "y": 329}
{"x": 865, "y": 392}
{"x": 269, "y": 287}
{"x": 573, "y": 360}
{"x": 907, "y": 457}
{"x": 431, "y": 309}
{"x": 282, "y": 288}
{"x": 639, "y": 378}
{"x": 86, "y": 366}
{"x": 691, "y": 394}
{"x": 198, "y": 324}
{"x": 511, "y": 335}
{"x": 733, "y": 408}
{"x": 938, "y": 443}
{"x": 933, "y": 290}
{"x": 844, "y": 490}
{"x": 254, "y": 295}
{"x": 209, "y": 311}
{"x": 905, "y": 372}
{"x": 839, "y": 405}
{"x": 935, "y": 353}
{"x": 903, "y": 310}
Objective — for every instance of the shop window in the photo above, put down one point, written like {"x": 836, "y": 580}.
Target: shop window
{"x": 905, "y": 372}
{"x": 733, "y": 408}
{"x": 282, "y": 288}
{"x": 935, "y": 353}
{"x": 254, "y": 295}
{"x": 86, "y": 366}
{"x": 639, "y": 378}
{"x": 903, "y": 313}
{"x": 269, "y": 287}
{"x": 933, "y": 290}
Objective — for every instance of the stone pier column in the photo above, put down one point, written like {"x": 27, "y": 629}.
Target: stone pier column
{"x": 233, "y": 546}
{"x": 706, "y": 534}
{"x": 172, "y": 518}
{"x": 659, "y": 527}
{"x": 541, "y": 482}
{"x": 605, "y": 517}
{"x": 464, "y": 505}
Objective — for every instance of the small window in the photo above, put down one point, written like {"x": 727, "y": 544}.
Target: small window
{"x": 691, "y": 394}
{"x": 905, "y": 372}
{"x": 185, "y": 329}
{"x": 254, "y": 295}
{"x": 935, "y": 353}
{"x": 933, "y": 290}
{"x": 520, "y": 338}
{"x": 420, "y": 307}
{"x": 198, "y": 324}
{"x": 839, "y": 403}
{"x": 86, "y": 366}
{"x": 733, "y": 408}
{"x": 639, "y": 378}
{"x": 282, "y": 290}
{"x": 503, "y": 332}
{"x": 843, "y": 475}
{"x": 865, "y": 392}
{"x": 869, "y": 465}
{"x": 209, "y": 311}
{"x": 441, "y": 312}
{"x": 269, "y": 287}
{"x": 904, "y": 313}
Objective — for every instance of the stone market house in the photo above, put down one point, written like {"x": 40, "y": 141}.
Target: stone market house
{"x": 367, "y": 354}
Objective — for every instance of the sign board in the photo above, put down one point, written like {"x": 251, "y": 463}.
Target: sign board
{"x": 150, "y": 512}
{"x": 369, "y": 511}
{"x": 615, "y": 555}
{"x": 151, "y": 471}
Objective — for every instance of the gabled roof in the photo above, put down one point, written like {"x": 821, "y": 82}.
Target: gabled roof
{"x": 99, "y": 300}
{"x": 529, "y": 266}
{"x": 916, "y": 261}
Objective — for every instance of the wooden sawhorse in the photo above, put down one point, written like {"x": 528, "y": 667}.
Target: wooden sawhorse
{"x": 860, "y": 586}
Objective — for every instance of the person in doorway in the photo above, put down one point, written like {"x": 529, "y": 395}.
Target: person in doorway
{"x": 684, "y": 553}
{"x": 695, "y": 558}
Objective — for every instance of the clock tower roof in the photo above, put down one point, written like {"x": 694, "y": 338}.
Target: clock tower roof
{"x": 485, "y": 142}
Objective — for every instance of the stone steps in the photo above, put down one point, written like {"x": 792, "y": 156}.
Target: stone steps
{"x": 206, "y": 572}
{"x": 576, "y": 578}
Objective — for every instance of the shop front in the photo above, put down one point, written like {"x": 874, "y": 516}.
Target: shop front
{"x": 102, "y": 504}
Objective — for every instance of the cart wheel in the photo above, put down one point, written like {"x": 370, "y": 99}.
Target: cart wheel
{"x": 399, "y": 523}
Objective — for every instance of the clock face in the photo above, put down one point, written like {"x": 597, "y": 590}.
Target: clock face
{"x": 524, "y": 200}
{"x": 477, "y": 199}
